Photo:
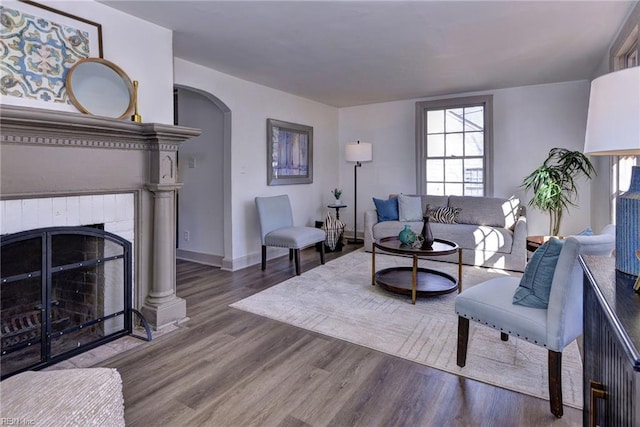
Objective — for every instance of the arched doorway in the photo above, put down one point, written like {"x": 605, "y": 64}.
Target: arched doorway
{"x": 204, "y": 212}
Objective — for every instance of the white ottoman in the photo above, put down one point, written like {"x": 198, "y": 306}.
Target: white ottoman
{"x": 67, "y": 397}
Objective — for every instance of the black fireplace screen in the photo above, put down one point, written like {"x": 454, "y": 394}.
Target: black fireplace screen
{"x": 63, "y": 290}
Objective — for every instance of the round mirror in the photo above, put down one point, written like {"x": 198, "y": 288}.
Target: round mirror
{"x": 99, "y": 87}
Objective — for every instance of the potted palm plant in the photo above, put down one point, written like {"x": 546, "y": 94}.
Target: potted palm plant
{"x": 554, "y": 183}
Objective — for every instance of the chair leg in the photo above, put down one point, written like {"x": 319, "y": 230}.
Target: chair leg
{"x": 322, "y": 253}
{"x": 264, "y": 257}
{"x": 504, "y": 337}
{"x": 297, "y": 256}
{"x": 555, "y": 382}
{"x": 463, "y": 339}
{"x": 290, "y": 254}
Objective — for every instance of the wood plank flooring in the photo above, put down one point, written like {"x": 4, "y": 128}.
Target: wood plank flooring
{"x": 226, "y": 367}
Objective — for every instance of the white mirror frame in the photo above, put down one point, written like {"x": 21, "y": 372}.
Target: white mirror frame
{"x": 100, "y": 94}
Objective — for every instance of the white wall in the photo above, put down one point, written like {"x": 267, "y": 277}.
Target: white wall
{"x": 200, "y": 165}
{"x": 251, "y": 104}
{"x": 142, "y": 49}
{"x": 528, "y": 122}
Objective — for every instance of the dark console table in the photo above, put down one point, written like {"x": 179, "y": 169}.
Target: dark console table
{"x": 611, "y": 345}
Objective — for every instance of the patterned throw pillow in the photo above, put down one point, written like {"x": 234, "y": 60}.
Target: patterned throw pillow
{"x": 443, "y": 214}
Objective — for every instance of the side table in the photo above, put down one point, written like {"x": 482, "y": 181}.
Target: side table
{"x": 534, "y": 242}
{"x": 337, "y": 208}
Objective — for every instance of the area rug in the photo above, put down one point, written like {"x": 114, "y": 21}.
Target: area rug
{"x": 337, "y": 300}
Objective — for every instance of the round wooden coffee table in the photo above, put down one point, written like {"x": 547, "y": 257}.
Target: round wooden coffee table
{"x": 416, "y": 281}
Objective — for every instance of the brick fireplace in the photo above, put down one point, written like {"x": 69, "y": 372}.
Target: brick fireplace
{"x": 70, "y": 169}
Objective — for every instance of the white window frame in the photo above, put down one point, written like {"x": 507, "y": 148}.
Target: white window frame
{"x": 624, "y": 53}
{"x": 421, "y": 125}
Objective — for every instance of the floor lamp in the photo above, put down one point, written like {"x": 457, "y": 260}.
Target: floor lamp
{"x": 613, "y": 129}
{"x": 357, "y": 152}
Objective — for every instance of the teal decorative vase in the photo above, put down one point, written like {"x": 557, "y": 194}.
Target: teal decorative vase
{"x": 407, "y": 236}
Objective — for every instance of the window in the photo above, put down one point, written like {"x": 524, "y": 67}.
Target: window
{"x": 631, "y": 58}
{"x": 620, "y": 178}
{"x": 453, "y": 146}
{"x": 625, "y": 53}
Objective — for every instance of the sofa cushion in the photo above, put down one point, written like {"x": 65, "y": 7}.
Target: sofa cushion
{"x": 434, "y": 201}
{"x": 475, "y": 237}
{"x": 535, "y": 284}
{"x": 387, "y": 209}
{"x": 409, "y": 208}
{"x": 491, "y": 211}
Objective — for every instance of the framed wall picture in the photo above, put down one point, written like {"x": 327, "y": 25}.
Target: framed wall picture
{"x": 41, "y": 45}
{"x": 289, "y": 153}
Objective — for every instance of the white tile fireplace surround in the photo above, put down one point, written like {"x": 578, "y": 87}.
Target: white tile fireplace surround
{"x": 70, "y": 169}
{"x": 115, "y": 212}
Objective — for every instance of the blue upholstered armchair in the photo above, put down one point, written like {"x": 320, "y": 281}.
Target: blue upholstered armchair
{"x": 553, "y": 327}
{"x": 276, "y": 229}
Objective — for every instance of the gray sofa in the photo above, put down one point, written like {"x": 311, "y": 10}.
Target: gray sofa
{"x": 492, "y": 232}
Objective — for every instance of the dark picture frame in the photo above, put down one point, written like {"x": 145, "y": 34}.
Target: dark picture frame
{"x": 41, "y": 45}
{"x": 88, "y": 25}
{"x": 289, "y": 153}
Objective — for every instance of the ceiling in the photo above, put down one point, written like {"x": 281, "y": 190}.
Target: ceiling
{"x": 346, "y": 53}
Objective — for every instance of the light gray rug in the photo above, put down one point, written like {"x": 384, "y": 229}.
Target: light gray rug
{"x": 337, "y": 299}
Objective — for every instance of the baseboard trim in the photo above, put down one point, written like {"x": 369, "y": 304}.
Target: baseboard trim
{"x": 199, "y": 257}
{"x": 226, "y": 263}
{"x": 252, "y": 259}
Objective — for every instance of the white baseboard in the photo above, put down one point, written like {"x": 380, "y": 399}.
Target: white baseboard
{"x": 252, "y": 259}
{"x": 199, "y": 257}
{"x": 230, "y": 264}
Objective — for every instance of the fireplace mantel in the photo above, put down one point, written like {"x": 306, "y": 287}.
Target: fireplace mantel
{"x": 35, "y": 126}
{"x": 46, "y": 153}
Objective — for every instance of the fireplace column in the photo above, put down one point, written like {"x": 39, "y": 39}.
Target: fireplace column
{"x": 162, "y": 306}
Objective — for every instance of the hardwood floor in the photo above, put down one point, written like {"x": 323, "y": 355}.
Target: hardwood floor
{"x": 226, "y": 367}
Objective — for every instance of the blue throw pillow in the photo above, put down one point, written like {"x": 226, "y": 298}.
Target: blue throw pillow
{"x": 535, "y": 285}
{"x": 586, "y": 232}
{"x": 387, "y": 209}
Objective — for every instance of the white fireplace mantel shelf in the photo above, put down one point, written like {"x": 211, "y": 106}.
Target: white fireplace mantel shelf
{"x": 49, "y": 154}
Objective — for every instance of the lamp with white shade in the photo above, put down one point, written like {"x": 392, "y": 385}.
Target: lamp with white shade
{"x": 357, "y": 152}
{"x": 613, "y": 129}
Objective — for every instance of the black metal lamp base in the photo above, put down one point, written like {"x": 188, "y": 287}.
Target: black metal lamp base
{"x": 354, "y": 241}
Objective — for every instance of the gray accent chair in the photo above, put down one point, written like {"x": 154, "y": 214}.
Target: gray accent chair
{"x": 276, "y": 229}
{"x": 490, "y": 303}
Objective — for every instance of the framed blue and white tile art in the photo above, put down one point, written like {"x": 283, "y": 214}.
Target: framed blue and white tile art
{"x": 38, "y": 47}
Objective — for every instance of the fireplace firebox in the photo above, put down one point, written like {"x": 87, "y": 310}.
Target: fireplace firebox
{"x": 63, "y": 291}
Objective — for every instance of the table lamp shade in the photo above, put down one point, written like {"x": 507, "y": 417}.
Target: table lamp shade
{"x": 613, "y": 121}
{"x": 613, "y": 129}
{"x": 358, "y": 152}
